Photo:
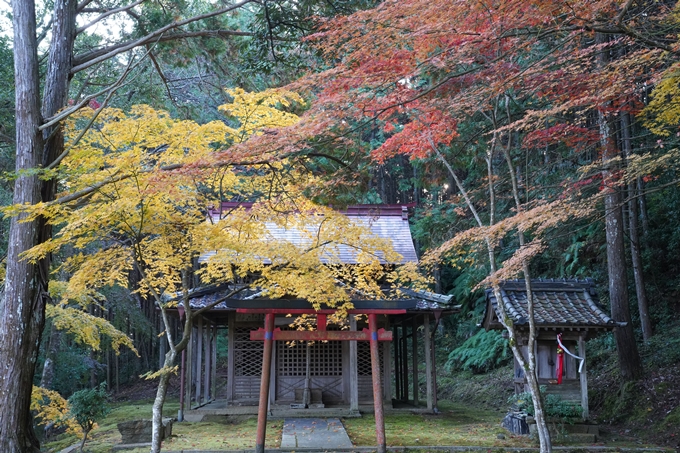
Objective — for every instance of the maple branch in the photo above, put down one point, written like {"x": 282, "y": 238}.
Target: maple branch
{"x": 98, "y": 56}
{"x": 327, "y": 156}
{"x": 116, "y": 177}
{"x": 622, "y": 29}
{"x": 457, "y": 180}
{"x": 107, "y": 14}
{"x": 220, "y": 300}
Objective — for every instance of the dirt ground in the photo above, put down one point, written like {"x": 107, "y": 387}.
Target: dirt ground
{"x": 649, "y": 410}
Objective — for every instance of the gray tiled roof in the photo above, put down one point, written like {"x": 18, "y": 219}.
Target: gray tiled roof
{"x": 557, "y": 303}
{"x": 386, "y": 222}
{"x": 414, "y": 300}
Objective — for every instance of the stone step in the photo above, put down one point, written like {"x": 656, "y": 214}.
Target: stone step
{"x": 581, "y": 438}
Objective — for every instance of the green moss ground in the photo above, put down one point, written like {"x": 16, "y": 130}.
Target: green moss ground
{"x": 455, "y": 425}
{"x": 225, "y": 434}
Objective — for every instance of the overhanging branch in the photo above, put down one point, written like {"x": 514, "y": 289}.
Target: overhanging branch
{"x": 85, "y": 61}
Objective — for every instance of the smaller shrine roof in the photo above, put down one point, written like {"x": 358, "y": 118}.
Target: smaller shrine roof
{"x": 557, "y": 304}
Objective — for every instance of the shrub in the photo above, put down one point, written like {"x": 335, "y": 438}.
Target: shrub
{"x": 554, "y": 405}
{"x": 87, "y": 407}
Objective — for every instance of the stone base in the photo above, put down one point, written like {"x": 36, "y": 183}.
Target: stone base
{"x": 568, "y": 430}
{"x": 140, "y": 431}
{"x": 120, "y": 447}
{"x": 515, "y": 422}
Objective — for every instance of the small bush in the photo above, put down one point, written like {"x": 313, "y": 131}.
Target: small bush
{"x": 89, "y": 406}
{"x": 554, "y": 405}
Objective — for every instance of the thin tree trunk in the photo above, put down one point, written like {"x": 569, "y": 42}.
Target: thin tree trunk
{"x": 642, "y": 201}
{"x": 170, "y": 356}
{"x": 161, "y": 392}
{"x": 635, "y": 253}
{"x": 529, "y": 363}
{"x": 544, "y": 438}
{"x": 82, "y": 442}
{"x": 50, "y": 356}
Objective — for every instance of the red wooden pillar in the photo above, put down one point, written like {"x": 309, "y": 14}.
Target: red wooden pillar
{"x": 377, "y": 385}
{"x": 264, "y": 382}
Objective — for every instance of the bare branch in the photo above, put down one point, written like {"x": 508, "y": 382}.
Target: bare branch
{"x": 164, "y": 79}
{"x": 45, "y": 30}
{"x": 82, "y": 5}
{"x": 107, "y": 14}
{"x": 624, "y": 10}
{"x": 92, "y": 58}
{"x": 109, "y": 89}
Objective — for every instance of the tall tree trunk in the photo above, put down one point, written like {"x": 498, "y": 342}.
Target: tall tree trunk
{"x": 642, "y": 202}
{"x": 629, "y": 358}
{"x": 50, "y": 356}
{"x": 22, "y": 312}
{"x": 633, "y": 231}
{"x": 22, "y": 316}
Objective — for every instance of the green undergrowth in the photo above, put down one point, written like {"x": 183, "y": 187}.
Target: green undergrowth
{"x": 487, "y": 391}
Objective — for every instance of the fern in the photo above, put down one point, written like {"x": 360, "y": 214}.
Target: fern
{"x": 484, "y": 351}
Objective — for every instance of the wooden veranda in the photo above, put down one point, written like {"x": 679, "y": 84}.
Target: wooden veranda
{"x": 339, "y": 367}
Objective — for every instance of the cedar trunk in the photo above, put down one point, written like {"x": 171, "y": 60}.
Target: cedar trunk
{"x": 22, "y": 311}
{"x": 629, "y": 358}
{"x": 635, "y": 252}
{"x": 22, "y": 316}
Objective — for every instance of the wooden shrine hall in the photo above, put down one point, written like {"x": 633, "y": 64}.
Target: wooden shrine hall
{"x": 336, "y": 367}
{"x": 372, "y": 360}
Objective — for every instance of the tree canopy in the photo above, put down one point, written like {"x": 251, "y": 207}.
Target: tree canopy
{"x": 530, "y": 135}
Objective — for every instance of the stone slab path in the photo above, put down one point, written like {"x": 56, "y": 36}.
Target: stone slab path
{"x": 321, "y": 433}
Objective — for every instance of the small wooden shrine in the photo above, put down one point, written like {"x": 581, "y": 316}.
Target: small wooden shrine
{"x": 566, "y": 314}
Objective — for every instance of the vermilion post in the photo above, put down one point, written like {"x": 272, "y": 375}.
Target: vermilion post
{"x": 182, "y": 389}
{"x": 377, "y": 385}
{"x": 264, "y": 382}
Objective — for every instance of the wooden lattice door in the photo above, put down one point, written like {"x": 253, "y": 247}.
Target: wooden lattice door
{"x": 247, "y": 366}
{"x": 364, "y": 370}
{"x": 325, "y": 365}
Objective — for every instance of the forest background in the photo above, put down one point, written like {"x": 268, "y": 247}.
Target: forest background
{"x": 555, "y": 120}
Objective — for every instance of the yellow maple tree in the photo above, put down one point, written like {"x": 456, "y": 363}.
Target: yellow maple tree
{"x": 137, "y": 187}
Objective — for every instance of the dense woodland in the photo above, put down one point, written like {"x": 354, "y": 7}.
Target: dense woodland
{"x": 530, "y": 139}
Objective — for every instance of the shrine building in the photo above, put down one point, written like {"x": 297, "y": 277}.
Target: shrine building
{"x": 566, "y": 314}
{"x": 327, "y": 371}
